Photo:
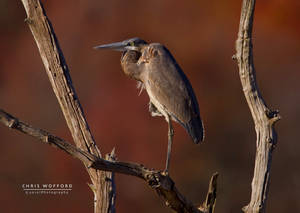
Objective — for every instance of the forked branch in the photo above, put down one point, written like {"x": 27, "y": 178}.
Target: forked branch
{"x": 86, "y": 149}
{"x": 58, "y": 73}
{"x": 263, "y": 117}
{"x": 157, "y": 180}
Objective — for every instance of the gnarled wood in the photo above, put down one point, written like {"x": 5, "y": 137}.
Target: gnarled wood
{"x": 211, "y": 196}
{"x": 58, "y": 73}
{"x": 157, "y": 180}
{"x": 86, "y": 149}
{"x": 263, "y": 117}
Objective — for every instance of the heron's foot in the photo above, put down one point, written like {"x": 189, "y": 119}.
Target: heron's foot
{"x": 153, "y": 110}
{"x": 165, "y": 172}
{"x": 171, "y": 134}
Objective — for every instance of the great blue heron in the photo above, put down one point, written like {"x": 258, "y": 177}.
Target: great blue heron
{"x": 170, "y": 92}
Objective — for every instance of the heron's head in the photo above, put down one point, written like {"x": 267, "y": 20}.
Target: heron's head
{"x": 135, "y": 44}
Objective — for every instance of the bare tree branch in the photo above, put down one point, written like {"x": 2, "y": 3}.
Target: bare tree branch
{"x": 61, "y": 82}
{"x": 210, "y": 201}
{"x": 263, "y": 117}
{"x": 86, "y": 149}
{"x": 110, "y": 188}
{"x": 162, "y": 184}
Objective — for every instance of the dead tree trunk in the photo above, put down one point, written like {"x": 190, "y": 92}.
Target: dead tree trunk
{"x": 61, "y": 82}
{"x": 263, "y": 117}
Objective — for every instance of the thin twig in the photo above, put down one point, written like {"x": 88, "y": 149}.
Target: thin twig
{"x": 210, "y": 201}
{"x": 263, "y": 117}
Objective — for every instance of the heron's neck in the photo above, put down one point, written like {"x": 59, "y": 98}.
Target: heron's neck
{"x": 129, "y": 65}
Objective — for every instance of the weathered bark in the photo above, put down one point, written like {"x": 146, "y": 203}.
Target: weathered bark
{"x": 87, "y": 151}
{"x": 210, "y": 201}
{"x": 263, "y": 117}
{"x": 61, "y": 82}
{"x": 157, "y": 180}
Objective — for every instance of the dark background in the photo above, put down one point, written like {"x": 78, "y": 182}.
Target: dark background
{"x": 201, "y": 35}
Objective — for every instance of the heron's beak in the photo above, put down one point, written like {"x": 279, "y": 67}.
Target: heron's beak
{"x": 118, "y": 46}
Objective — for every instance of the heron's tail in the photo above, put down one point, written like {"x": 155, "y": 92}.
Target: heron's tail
{"x": 195, "y": 129}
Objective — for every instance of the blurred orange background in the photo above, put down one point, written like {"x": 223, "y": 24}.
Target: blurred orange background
{"x": 201, "y": 36}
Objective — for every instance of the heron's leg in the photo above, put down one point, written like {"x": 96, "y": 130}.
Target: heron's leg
{"x": 170, "y": 139}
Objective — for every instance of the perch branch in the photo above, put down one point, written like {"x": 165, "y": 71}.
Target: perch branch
{"x": 263, "y": 117}
{"x": 162, "y": 184}
{"x": 58, "y": 73}
{"x": 86, "y": 149}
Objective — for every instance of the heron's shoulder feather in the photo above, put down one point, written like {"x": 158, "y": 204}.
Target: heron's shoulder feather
{"x": 168, "y": 84}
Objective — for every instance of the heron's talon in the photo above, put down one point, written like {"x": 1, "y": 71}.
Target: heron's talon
{"x": 165, "y": 172}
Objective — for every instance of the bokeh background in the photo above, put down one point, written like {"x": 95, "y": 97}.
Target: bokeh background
{"x": 201, "y": 35}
